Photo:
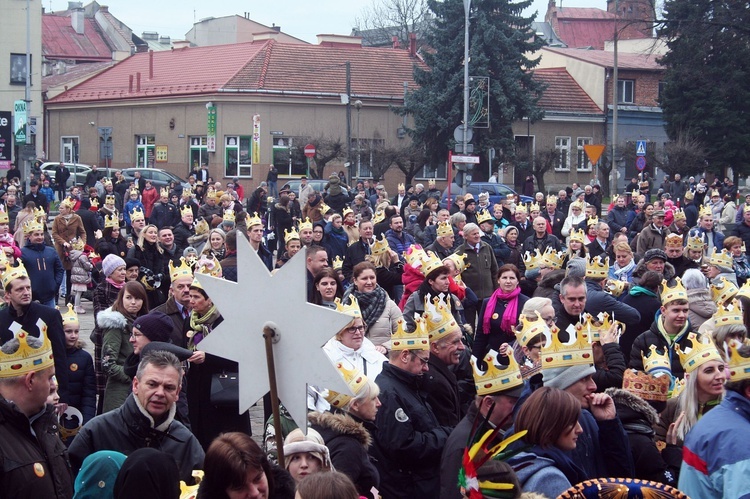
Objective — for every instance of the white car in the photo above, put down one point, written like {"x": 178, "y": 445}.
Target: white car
{"x": 77, "y": 171}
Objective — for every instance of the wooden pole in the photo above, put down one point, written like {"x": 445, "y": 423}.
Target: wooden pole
{"x": 268, "y": 334}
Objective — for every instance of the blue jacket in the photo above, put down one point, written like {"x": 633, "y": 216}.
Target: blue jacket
{"x": 45, "y": 270}
{"x": 49, "y": 193}
{"x": 716, "y": 457}
{"x": 130, "y": 206}
{"x": 399, "y": 245}
{"x": 82, "y": 382}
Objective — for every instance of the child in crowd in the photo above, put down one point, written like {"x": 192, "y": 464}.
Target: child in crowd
{"x": 80, "y": 276}
{"x": 133, "y": 203}
{"x": 81, "y": 379}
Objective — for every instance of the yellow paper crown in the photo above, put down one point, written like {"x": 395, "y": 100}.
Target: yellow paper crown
{"x": 164, "y": 192}
{"x": 439, "y": 319}
{"x": 679, "y": 385}
{"x": 615, "y": 287}
{"x": 655, "y": 362}
{"x": 417, "y": 340}
{"x": 444, "y": 229}
{"x": 13, "y": 273}
{"x": 532, "y": 260}
{"x": 522, "y": 208}
{"x": 597, "y": 267}
{"x": 108, "y": 199}
{"x": 430, "y": 263}
{"x": 229, "y": 216}
{"x": 534, "y": 207}
{"x": 577, "y": 235}
{"x": 111, "y": 222}
{"x": 459, "y": 260}
{"x": 673, "y": 241}
{"x": 26, "y": 359}
{"x": 203, "y": 266}
{"x": 40, "y": 213}
{"x": 346, "y": 212}
{"x": 69, "y": 317}
{"x": 68, "y": 202}
{"x": 185, "y": 209}
{"x": 696, "y": 243}
{"x": 351, "y": 308}
{"x": 137, "y": 214}
{"x": 324, "y": 208}
{"x": 702, "y": 351}
{"x": 380, "y": 246}
{"x": 498, "y": 377}
{"x": 305, "y": 224}
{"x": 745, "y": 290}
{"x": 187, "y": 192}
{"x": 721, "y": 258}
{"x": 552, "y": 258}
{"x": 645, "y": 386}
{"x": 77, "y": 244}
{"x": 3, "y": 258}
{"x": 679, "y": 214}
{"x": 577, "y": 204}
{"x": 705, "y": 211}
{"x": 212, "y": 194}
{"x": 290, "y": 235}
{"x": 431, "y": 182}
{"x": 592, "y": 221}
{"x": 32, "y": 225}
{"x": 669, "y": 293}
{"x": 182, "y": 270}
{"x": 739, "y": 366}
{"x": 484, "y": 216}
{"x": 378, "y": 217}
{"x": 253, "y": 220}
{"x": 95, "y": 202}
{"x": 728, "y": 314}
{"x": 135, "y": 191}
{"x": 338, "y": 263}
{"x": 401, "y": 186}
{"x": 3, "y": 216}
{"x": 595, "y": 327}
{"x": 723, "y": 291}
{"x": 355, "y": 380}
{"x": 529, "y": 328}
{"x": 576, "y": 353}
{"x": 552, "y": 199}
{"x": 415, "y": 256}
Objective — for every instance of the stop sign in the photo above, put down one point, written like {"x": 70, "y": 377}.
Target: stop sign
{"x": 309, "y": 150}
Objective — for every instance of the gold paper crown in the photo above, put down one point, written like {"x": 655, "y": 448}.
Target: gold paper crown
{"x": 305, "y": 224}
{"x": 111, "y": 222}
{"x": 3, "y": 259}
{"x": 324, "y": 208}
{"x": 430, "y": 263}
{"x": 431, "y": 182}
{"x": 68, "y": 202}
{"x": 715, "y": 193}
{"x": 497, "y": 378}
{"x": 182, "y": 270}
{"x": 13, "y": 273}
{"x": 552, "y": 199}
{"x": 702, "y": 351}
{"x": 69, "y": 317}
{"x": 3, "y": 216}
{"x": 378, "y": 217}
{"x": 615, "y": 287}
{"x": 108, "y": 199}
{"x": 351, "y": 308}
{"x": 745, "y": 290}
{"x": 137, "y": 214}
{"x": 380, "y": 246}
{"x": 522, "y": 208}
{"x": 534, "y": 207}
{"x": 459, "y": 260}
{"x": 532, "y": 260}
{"x": 32, "y": 225}
{"x": 577, "y": 235}
{"x": 401, "y": 186}
{"x": 346, "y": 212}
{"x": 418, "y": 340}
{"x": 721, "y": 258}
{"x": 728, "y": 314}
{"x": 696, "y": 243}
{"x": 739, "y": 366}
{"x": 185, "y": 210}
{"x": 647, "y": 387}
{"x": 338, "y": 263}
{"x": 135, "y": 191}
{"x": 438, "y": 318}
{"x": 679, "y": 214}
{"x": 77, "y": 244}
{"x": 202, "y": 267}
{"x": 106, "y": 182}
{"x": 211, "y": 193}
{"x": 723, "y": 291}
{"x": 228, "y": 216}
{"x": 575, "y": 353}
{"x": 669, "y": 293}
{"x": 597, "y": 267}
{"x": 679, "y": 385}
{"x": 705, "y": 211}
{"x": 484, "y": 216}
{"x": 595, "y": 327}
{"x": 673, "y": 241}
{"x": 187, "y": 192}
{"x": 577, "y": 204}
{"x": 290, "y": 235}
{"x": 552, "y": 258}
{"x": 253, "y": 220}
{"x": 415, "y": 256}
{"x": 531, "y": 328}
{"x": 40, "y": 213}
{"x": 444, "y": 229}
{"x": 95, "y": 202}
{"x": 592, "y": 221}
{"x": 355, "y": 380}
{"x": 164, "y": 192}
{"x": 26, "y": 359}
{"x": 656, "y": 363}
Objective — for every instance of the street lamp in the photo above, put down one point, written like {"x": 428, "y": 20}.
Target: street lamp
{"x": 358, "y": 106}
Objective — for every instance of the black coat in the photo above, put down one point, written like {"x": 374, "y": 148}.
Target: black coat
{"x": 653, "y": 336}
{"x": 181, "y": 233}
{"x": 82, "y": 383}
{"x": 355, "y": 253}
{"x": 496, "y": 337}
{"x": 647, "y": 306}
{"x": 441, "y": 386}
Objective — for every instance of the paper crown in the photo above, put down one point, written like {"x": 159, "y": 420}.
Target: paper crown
{"x": 68, "y": 202}
{"x": 348, "y": 306}
{"x": 521, "y": 208}
{"x": 745, "y": 290}
{"x": 438, "y": 318}
{"x": 253, "y": 220}
{"x": 595, "y": 327}
{"x": 415, "y": 256}
{"x": 417, "y": 340}
{"x": 739, "y": 366}
{"x": 431, "y": 182}
{"x": 379, "y": 246}
{"x": 578, "y": 204}
{"x": 3, "y": 216}
{"x": 721, "y": 258}
{"x": 552, "y": 258}
{"x": 577, "y": 235}
{"x": 696, "y": 243}
{"x": 529, "y": 328}
{"x": 211, "y": 194}
{"x": 106, "y": 182}
{"x": 534, "y": 207}
{"x": 69, "y": 317}
{"x": 13, "y": 273}
{"x": 135, "y": 191}
{"x": 26, "y": 359}
{"x": 3, "y": 258}
{"x": 444, "y": 229}
{"x": 679, "y": 385}
{"x": 532, "y": 260}
{"x": 431, "y": 263}
{"x": 592, "y": 221}
{"x": 378, "y": 217}
{"x": 111, "y": 222}
{"x": 679, "y": 214}
{"x": 229, "y": 216}
{"x": 647, "y": 387}
{"x": 615, "y": 287}
{"x": 182, "y": 270}
{"x": 185, "y": 210}
{"x": 498, "y": 377}
{"x": 576, "y": 353}
{"x": 95, "y": 202}
{"x": 401, "y": 186}
{"x": 655, "y": 362}
{"x": 705, "y": 211}
{"x": 338, "y": 263}
{"x": 305, "y": 224}
{"x": 137, "y": 214}
{"x": 669, "y": 293}
{"x": 728, "y": 314}
{"x": 164, "y": 192}
{"x": 347, "y": 211}
{"x": 552, "y": 199}
{"x": 702, "y": 351}
{"x": 673, "y": 241}
{"x": 77, "y": 244}
{"x": 209, "y": 266}
{"x": 459, "y": 260}
{"x": 484, "y": 216}
{"x": 355, "y": 380}
{"x": 187, "y": 192}
{"x": 289, "y": 235}
{"x": 108, "y": 199}
{"x": 597, "y": 267}
{"x": 40, "y": 213}
{"x": 723, "y": 291}
{"x": 32, "y": 225}
{"x": 324, "y": 208}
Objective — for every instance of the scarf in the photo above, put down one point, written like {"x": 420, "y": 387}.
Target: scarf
{"x": 371, "y": 304}
{"x": 640, "y": 291}
{"x": 563, "y": 462}
{"x": 200, "y": 327}
{"x": 510, "y": 316}
{"x": 621, "y": 272}
{"x": 114, "y": 284}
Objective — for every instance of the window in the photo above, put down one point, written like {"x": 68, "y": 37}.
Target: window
{"x": 286, "y": 157}
{"x": 69, "y": 149}
{"x": 625, "y": 91}
{"x": 524, "y": 150}
{"x": 438, "y": 173}
{"x": 238, "y": 160}
{"x": 18, "y": 69}
{"x": 661, "y": 91}
{"x": 145, "y": 151}
{"x": 584, "y": 165}
{"x": 198, "y": 152}
{"x": 367, "y": 151}
{"x": 562, "y": 146}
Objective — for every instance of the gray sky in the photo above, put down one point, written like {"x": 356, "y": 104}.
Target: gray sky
{"x": 303, "y": 19}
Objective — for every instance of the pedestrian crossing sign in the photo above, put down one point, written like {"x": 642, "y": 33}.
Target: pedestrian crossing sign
{"x": 640, "y": 148}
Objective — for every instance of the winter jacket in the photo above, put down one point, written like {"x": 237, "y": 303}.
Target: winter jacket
{"x": 33, "y": 464}
{"x": 597, "y": 301}
{"x": 650, "y": 237}
{"x": 179, "y": 321}
{"x": 539, "y": 474}
{"x": 348, "y": 440}
{"x": 546, "y": 287}
{"x": 81, "y": 382}
{"x": 130, "y": 427}
{"x": 148, "y": 198}
{"x": 408, "y": 439}
{"x": 481, "y": 269}
{"x": 365, "y": 359}
{"x": 484, "y": 341}
{"x": 116, "y": 348}
{"x": 399, "y": 244}
{"x": 355, "y": 253}
{"x": 548, "y": 241}
{"x": 129, "y": 207}
{"x": 742, "y": 230}
{"x": 182, "y": 232}
{"x": 441, "y": 386}
{"x": 82, "y": 267}
{"x": 453, "y": 453}
{"x": 640, "y": 269}
{"x": 663, "y": 344}
{"x": 713, "y": 238}
{"x": 610, "y": 365}
{"x": 647, "y": 306}
{"x": 336, "y": 241}
{"x": 603, "y": 448}
{"x": 45, "y": 270}
{"x": 556, "y": 221}
{"x": 499, "y": 247}
{"x": 380, "y": 331}
{"x": 164, "y": 214}
{"x": 415, "y": 305}
{"x": 617, "y": 218}
{"x": 65, "y": 230}
{"x": 701, "y": 307}
{"x": 337, "y": 202}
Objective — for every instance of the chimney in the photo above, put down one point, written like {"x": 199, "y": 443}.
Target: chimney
{"x": 413, "y": 44}
{"x": 180, "y": 44}
{"x": 150, "y": 64}
{"x": 394, "y": 39}
{"x": 77, "y": 19}
{"x": 276, "y": 28}
{"x": 138, "y": 82}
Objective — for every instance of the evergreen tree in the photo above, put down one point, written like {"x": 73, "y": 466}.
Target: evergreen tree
{"x": 706, "y": 96}
{"x": 499, "y": 43}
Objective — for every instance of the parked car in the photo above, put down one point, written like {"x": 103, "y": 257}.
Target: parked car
{"x": 497, "y": 193}
{"x": 159, "y": 178}
{"x": 317, "y": 183}
{"x": 78, "y": 172}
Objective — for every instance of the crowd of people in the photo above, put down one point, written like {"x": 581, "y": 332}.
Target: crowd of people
{"x": 543, "y": 350}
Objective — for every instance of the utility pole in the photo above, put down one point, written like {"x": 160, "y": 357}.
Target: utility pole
{"x": 349, "y": 120}
{"x": 465, "y": 141}
{"x": 27, "y": 93}
{"x": 615, "y": 106}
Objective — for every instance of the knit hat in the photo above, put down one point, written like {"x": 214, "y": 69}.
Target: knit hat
{"x": 156, "y": 326}
{"x": 98, "y": 474}
{"x": 296, "y": 442}
{"x": 654, "y": 253}
{"x": 576, "y": 267}
{"x": 564, "y": 377}
{"x": 131, "y": 262}
{"x": 110, "y": 263}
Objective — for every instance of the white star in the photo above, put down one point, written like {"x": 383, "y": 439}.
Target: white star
{"x": 259, "y": 299}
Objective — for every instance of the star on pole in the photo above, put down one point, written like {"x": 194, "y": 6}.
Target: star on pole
{"x": 259, "y": 299}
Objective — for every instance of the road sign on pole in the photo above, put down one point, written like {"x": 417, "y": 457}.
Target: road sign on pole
{"x": 640, "y": 163}
{"x": 310, "y": 150}
{"x": 19, "y": 115}
{"x": 466, "y": 159}
{"x": 594, "y": 152}
{"x": 640, "y": 147}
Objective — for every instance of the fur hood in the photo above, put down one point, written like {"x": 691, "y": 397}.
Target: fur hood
{"x": 640, "y": 269}
{"x": 341, "y": 423}
{"x": 109, "y": 319}
{"x": 637, "y": 404}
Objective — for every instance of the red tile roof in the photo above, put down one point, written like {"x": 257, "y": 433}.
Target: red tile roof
{"x": 645, "y": 62}
{"x": 60, "y": 41}
{"x": 563, "y": 93}
{"x": 74, "y": 73}
{"x": 589, "y": 27}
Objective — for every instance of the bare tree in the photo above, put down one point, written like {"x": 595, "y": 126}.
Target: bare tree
{"x": 544, "y": 161}
{"x": 382, "y": 20}
{"x": 327, "y": 149}
{"x": 411, "y": 161}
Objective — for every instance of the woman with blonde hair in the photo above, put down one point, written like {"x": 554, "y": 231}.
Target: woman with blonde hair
{"x": 154, "y": 271}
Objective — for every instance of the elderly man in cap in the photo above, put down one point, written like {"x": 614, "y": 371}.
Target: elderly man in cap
{"x": 653, "y": 235}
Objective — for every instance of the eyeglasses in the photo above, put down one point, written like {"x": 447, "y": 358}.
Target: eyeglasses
{"x": 136, "y": 334}
{"x": 355, "y": 329}
{"x": 423, "y": 361}
{"x": 550, "y": 320}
